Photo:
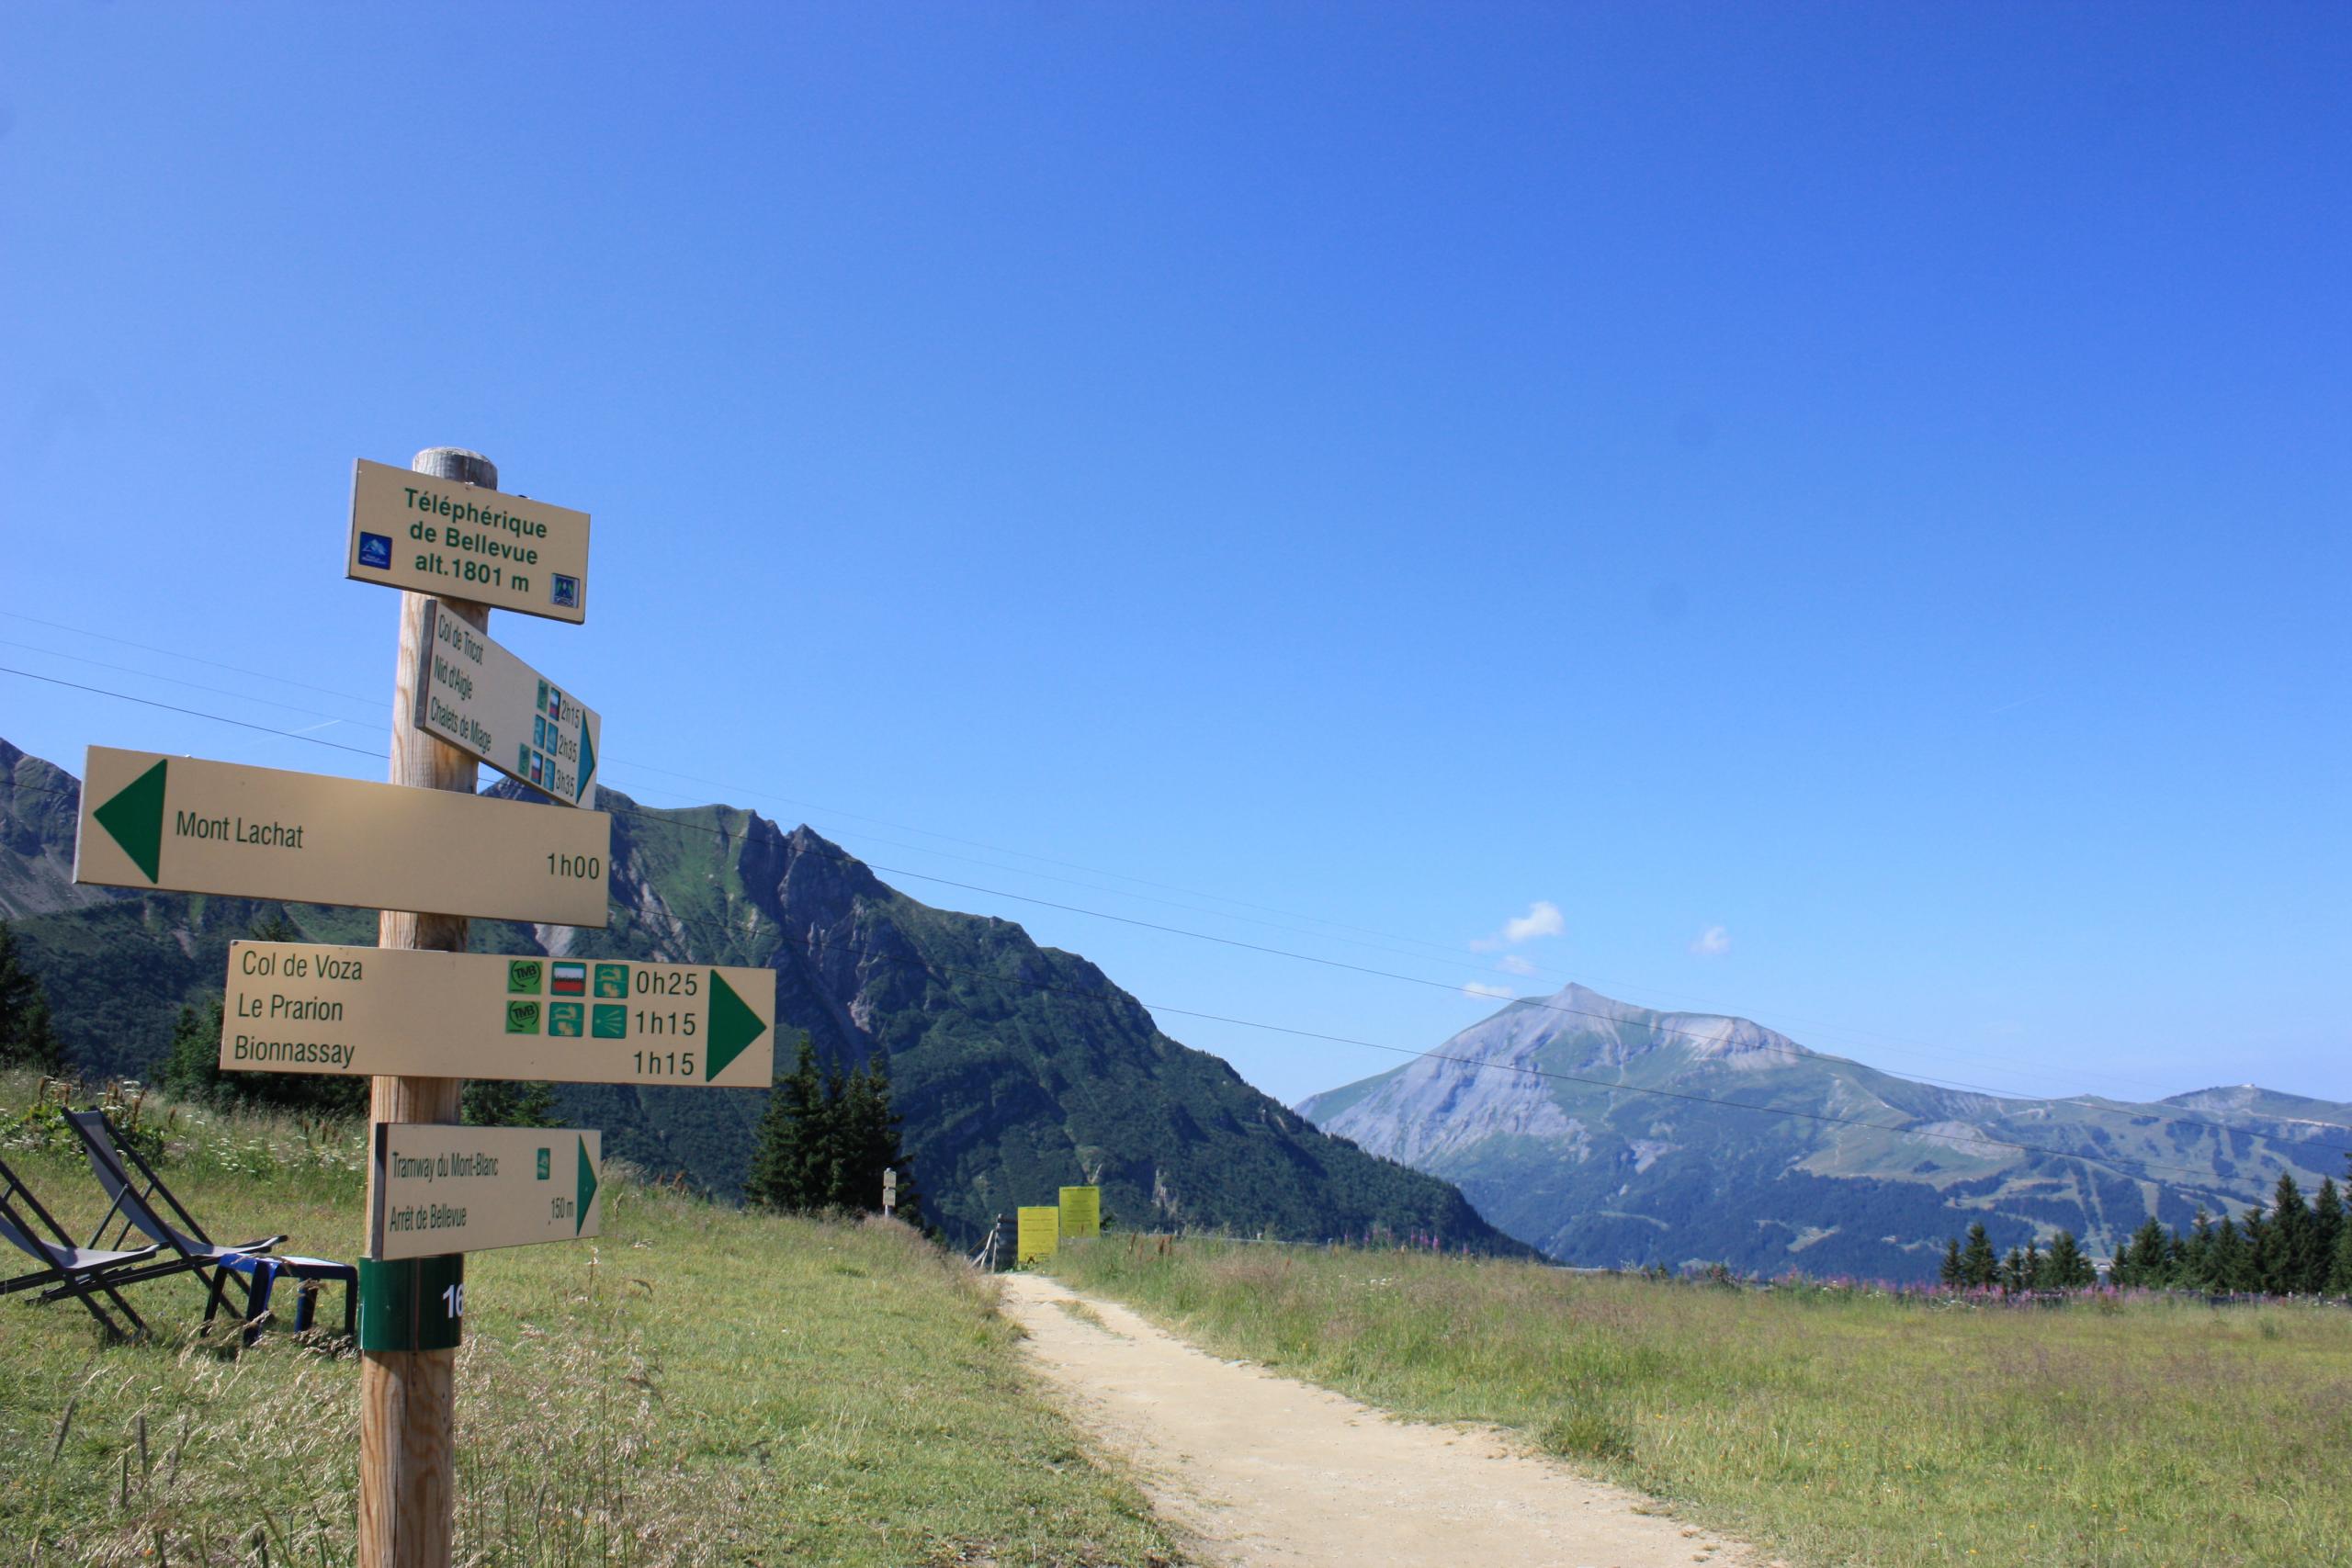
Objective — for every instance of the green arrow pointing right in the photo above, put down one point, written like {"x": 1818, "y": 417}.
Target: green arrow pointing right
{"x": 733, "y": 1026}
{"x": 134, "y": 818}
{"x": 587, "y": 1188}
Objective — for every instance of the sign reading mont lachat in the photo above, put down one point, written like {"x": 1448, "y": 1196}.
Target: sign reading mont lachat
{"x": 190, "y": 825}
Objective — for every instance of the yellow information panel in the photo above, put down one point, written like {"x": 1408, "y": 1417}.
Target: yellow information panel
{"x": 444, "y": 537}
{"x": 303, "y": 1008}
{"x": 150, "y": 821}
{"x": 1040, "y": 1234}
{"x": 1081, "y": 1213}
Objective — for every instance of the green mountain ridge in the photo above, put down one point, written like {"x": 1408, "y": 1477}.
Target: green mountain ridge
{"x": 1604, "y": 1134}
{"x": 1017, "y": 1068}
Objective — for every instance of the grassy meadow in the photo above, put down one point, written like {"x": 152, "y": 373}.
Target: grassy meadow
{"x": 698, "y": 1385}
{"x": 1830, "y": 1428}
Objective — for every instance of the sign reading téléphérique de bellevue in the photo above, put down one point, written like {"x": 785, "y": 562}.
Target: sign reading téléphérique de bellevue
{"x": 459, "y": 541}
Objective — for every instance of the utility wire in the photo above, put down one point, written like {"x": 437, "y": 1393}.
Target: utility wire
{"x": 1830, "y": 1032}
{"x": 845, "y": 858}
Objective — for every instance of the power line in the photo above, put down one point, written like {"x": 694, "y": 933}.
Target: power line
{"x": 1821, "y": 1032}
{"x": 192, "y": 713}
{"x": 845, "y": 858}
{"x": 2117, "y": 1163}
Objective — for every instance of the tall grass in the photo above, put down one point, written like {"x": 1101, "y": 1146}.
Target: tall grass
{"x": 1834, "y": 1427}
{"x": 698, "y": 1385}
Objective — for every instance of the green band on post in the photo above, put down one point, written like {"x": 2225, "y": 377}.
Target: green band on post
{"x": 411, "y": 1304}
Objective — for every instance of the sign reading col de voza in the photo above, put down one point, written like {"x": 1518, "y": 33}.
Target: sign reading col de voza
{"x": 447, "y": 537}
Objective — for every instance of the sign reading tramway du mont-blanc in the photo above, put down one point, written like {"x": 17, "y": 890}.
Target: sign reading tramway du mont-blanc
{"x": 447, "y": 537}
{"x": 190, "y": 825}
{"x": 475, "y": 694}
{"x": 441, "y": 1189}
{"x": 302, "y": 1008}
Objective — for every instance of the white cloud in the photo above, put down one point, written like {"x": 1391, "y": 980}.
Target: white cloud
{"x": 1480, "y": 988}
{"x": 1543, "y": 919}
{"x": 1712, "y": 943}
{"x": 1512, "y": 964}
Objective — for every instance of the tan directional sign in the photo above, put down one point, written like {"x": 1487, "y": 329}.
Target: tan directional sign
{"x": 196, "y": 827}
{"x": 302, "y": 1008}
{"x": 471, "y": 1189}
{"x": 444, "y": 536}
{"x": 475, "y": 694}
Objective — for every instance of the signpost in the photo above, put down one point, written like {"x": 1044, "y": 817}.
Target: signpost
{"x": 1081, "y": 1214}
{"x": 475, "y": 694}
{"x": 434, "y": 534}
{"x": 445, "y": 1190}
{"x": 150, "y": 821}
{"x": 1038, "y": 1236}
{"x": 306, "y": 1008}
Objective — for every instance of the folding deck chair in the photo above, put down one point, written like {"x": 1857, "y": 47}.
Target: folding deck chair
{"x": 135, "y": 1190}
{"x": 84, "y": 1273}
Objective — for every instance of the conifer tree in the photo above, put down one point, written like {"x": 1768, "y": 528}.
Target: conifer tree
{"x": 192, "y": 1066}
{"x": 1950, "y": 1274}
{"x": 783, "y": 1160}
{"x": 2196, "y": 1253}
{"x": 2140, "y": 1261}
{"x": 1978, "y": 1266}
{"x": 27, "y": 1036}
{"x": 2340, "y": 1279}
{"x": 2287, "y": 1260}
{"x": 494, "y": 1102}
{"x": 2229, "y": 1263}
{"x": 2254, "y": 1265}
{"x": 2066, "y": 1269}
{"x": 2327, "y": 1236}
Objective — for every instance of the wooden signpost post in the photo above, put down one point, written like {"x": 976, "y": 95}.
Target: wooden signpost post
{"x": 416, "y": 1013}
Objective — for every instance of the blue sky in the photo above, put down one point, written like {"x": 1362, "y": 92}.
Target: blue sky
{"x": 1847, "y": 508}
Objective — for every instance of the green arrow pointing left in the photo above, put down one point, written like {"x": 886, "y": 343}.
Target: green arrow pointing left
{"x": 587, "y": 1188}
{"x": 733, "y": 1026}
{"x": 134, "y": 818}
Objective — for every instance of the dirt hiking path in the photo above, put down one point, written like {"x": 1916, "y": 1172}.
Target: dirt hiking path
{"x": 1259, "y": 1469}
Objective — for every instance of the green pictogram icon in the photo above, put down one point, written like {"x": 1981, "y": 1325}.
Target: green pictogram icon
{"x": 564, "y": 1020}
{"x": 609, "y": 1020}
{"x": 523, "y": 976}
{"x": 544, "y": 1163}
{"x": 612, "y": 981}
{"x": 522, "y": 1018}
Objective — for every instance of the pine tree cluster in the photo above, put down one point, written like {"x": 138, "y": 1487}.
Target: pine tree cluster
{"x": 2065, "y": 1266}
{"x": 28, "y": 1039}
{"x": 2293, "y": 1249}
{"x": 826, "y": 1138}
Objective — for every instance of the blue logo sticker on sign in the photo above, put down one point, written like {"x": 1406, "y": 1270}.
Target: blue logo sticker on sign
{"x": 564, "y": 590}
{"x": 375, "y": 550}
